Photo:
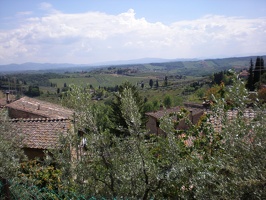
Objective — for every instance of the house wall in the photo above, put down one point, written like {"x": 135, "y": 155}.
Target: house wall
{"x": 152, "y": 124}
{"x": 182, "y": 125}
{"x": 13, "y": 113}
{"x": 193, "y": 118}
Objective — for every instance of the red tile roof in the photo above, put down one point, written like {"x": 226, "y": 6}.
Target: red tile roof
{"x": 41, "y": 108}
{"x": 41, "y": 133}
{"x": 217, "y": 123}
{"x": 159, "y": 114}
{"x": 244, "y": 73}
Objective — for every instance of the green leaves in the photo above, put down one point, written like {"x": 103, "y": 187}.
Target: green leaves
{"x": 10, "y": 152}
{"x": 130, "y": 111}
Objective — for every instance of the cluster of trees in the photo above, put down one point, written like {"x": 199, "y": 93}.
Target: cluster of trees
{"x": 123, "y": 160}
{"x": 222, "y": 76}
{"x": 256, "y": 75}
{"x": 33, "y": 91}
{"x": 156, "y": 83}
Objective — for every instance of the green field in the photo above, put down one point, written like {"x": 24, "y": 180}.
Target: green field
{"x": 102, "y": 80}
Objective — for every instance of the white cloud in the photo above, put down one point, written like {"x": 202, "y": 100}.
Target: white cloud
{"x": 94, "y": 37}
{"x": 25, "y": 13}
{"x": 48, "y": 7}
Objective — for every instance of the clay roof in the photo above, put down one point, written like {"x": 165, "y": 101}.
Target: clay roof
{"x": 216, "y": 121}
{"x": 244, "y": 73}
{"x": 159, "y": 114}
{"x": 41, "y": 108}
{"x": 40, "y": 133}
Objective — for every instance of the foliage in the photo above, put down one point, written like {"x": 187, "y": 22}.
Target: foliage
{"x": 262, "y": 95}
{"x": 120, "y": 125}
{"x": 10, "y": 153}
{"x": 258, "y": 71}
{"x": 167, "y": 101}
{"x": 263, "y": 78}
{"x": 222, "y": 77}
{"x": 33, "y": 91}
{"x": 213, "y": 92}
{"x": 165, "y": 81}
{"x": 41, "y": 175}
{"x": 250, "y": 81}
{"x": 151, "y": 83}
{"x": 185, "y": 164}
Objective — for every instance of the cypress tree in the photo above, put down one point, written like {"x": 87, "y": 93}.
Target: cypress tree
{"x": 151, "y": 83}
{"x": 258, "y": 71}
{"x": 250, "y": 84}
{"x": 157, "y": 83}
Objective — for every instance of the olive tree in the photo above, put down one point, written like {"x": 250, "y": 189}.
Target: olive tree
{"x": 199, "y": 163}
{"x": 10, "y": 152}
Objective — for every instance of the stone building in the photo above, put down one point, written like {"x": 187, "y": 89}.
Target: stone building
{"x": 39, "y": 124}
{"x": 153, "y": 123}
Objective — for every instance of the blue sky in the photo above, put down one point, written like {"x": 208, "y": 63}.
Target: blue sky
{"x": 91, "y": 31}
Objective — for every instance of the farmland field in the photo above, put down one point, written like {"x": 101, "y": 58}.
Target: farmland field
{"x": 103, "y": 80}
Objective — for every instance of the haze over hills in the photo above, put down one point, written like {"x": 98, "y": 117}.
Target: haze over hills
{"x": 194, "y": 63}
{"x": 30, "y": 66}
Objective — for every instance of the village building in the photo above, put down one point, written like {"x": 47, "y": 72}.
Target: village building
{"x": 39, "y": 124}
{"x": 40, "y": 134}
{"x": 243, "y": 75}
{"x": 26, "y": 107}
{"x": 153, "y": 122}
{"x": 230, "y": 115}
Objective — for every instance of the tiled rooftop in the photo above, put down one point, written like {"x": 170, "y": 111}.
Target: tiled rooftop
{"x": 216, "y": 121}
{"x": 41, "y": 108}
{"x": 159, "y": 114}
{"x": 40, "y": 133}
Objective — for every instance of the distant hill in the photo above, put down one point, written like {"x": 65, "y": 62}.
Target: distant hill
{"x": 205, "y": 66}
{"x": 30, "y": 66}
{"x": 188, "y": 67}
{"x": 141, "y": 61}
{"x": 183, "y": 66}
{"x": 35, "y": 67}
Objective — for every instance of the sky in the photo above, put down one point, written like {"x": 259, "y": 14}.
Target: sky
{"x": 95, "y": 31}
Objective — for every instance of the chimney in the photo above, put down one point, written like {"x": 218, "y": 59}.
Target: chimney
{"x": 39, "y": 107}
{"x": 191, "y": 114}
{"x": 206, "y": 104}
{"x": 7, "y": 97}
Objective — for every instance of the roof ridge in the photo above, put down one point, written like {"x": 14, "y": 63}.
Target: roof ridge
{"x": 38, "y": 119}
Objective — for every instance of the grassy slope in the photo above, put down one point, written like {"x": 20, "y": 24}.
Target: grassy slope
{"x": 103, "y": 80}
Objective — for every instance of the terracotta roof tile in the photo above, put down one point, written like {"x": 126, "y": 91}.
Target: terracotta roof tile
{"x": 41, "y": 108}
{"x": 40, "y": 133}
{"x": 159, "y": 114}
{"x": 217, "y": 123}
